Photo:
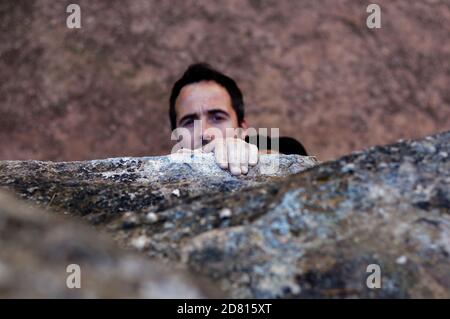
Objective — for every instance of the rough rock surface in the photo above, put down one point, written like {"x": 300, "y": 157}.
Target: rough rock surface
{"x": 36, "y": 248}
{"x": 310, "y": 234}
{"x": 104, "y": 189}
{"x": 311, "y": 68}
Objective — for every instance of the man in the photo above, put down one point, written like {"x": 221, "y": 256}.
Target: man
{"x": 208, "y": 108}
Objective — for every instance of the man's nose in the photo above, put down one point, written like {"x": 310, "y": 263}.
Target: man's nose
{"x": 206, "y": 132}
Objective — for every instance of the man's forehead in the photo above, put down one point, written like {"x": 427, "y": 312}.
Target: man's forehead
{"x": 203, "y": 94}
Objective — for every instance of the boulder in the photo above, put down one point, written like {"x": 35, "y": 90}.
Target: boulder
{"x": 306, "y": 230}
{"x": 38, "y": 252}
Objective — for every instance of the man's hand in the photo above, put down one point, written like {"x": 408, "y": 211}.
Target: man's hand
{"x": 233, "y": 153}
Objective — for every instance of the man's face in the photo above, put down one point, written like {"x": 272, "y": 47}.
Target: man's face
{"x": 209, "y": 103}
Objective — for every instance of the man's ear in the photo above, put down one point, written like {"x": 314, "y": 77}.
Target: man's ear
{"x": 244, "y": 127}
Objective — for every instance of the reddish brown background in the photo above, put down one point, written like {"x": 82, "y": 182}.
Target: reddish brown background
{"x": 310, "y": 67}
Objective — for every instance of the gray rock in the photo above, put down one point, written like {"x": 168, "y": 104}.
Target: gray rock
{"x": 104, "y": 189}
{"x": 36, "y": 248}
{"x": 290, "y": 234}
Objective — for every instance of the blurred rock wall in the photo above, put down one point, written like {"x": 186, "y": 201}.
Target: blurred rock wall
{"x": 311, "y": 68}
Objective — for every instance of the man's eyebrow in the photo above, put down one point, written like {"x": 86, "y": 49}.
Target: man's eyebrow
{"x": 214, "y": 111}
{"x": 195, "y": 115}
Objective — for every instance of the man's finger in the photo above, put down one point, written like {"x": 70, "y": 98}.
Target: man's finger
{"x": 244, "y": 154}
{"x": 253, "y": 155}
{"x": 233, "y": 159}
{"x": 221, "y": 154}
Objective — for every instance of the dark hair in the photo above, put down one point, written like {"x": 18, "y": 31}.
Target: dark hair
{"x": 203, "y": 72}
{"x": 286, "y": 145}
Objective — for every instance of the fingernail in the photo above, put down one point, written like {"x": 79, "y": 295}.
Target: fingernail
{"x": 235, "y": 171}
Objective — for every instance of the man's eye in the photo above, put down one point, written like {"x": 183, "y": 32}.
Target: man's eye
{"x": 218, "y": 118}
{"x": 187, "y": 122}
